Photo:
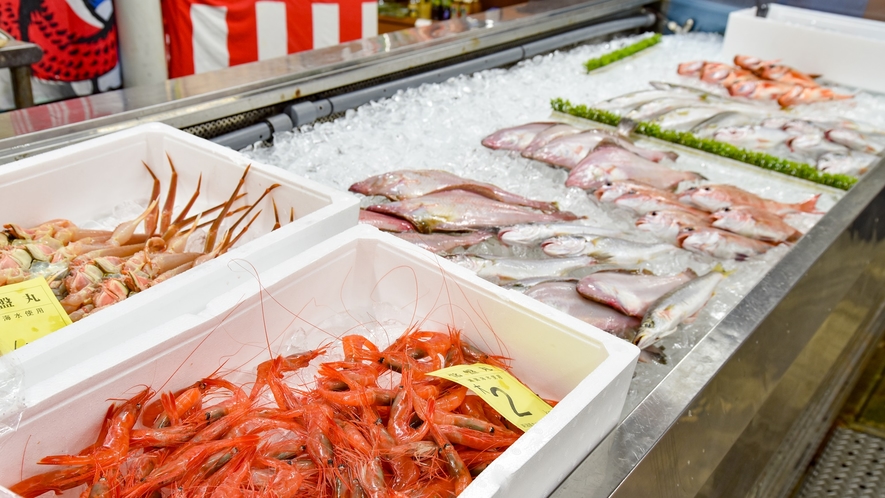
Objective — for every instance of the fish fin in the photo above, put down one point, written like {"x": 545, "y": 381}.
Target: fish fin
{"x": 808, "y": 206}
{"x": 721, "y": 269}
{"x": 626, "y": 127}
{"x": 693, "y": 274}
{"x": 653, "y": 354}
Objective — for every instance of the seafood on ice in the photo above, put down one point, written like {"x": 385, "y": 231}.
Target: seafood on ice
{"x": 90, "y": 270}
{"x": 352, "y": 430}
{"x": 829, "y": 143}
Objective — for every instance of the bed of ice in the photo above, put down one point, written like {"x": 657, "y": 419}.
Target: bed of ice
{"x": 439, "y": 126}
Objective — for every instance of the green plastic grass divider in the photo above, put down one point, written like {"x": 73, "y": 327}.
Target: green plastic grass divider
{"x": 622, "y": 52}
{"x": 760, "y": 159}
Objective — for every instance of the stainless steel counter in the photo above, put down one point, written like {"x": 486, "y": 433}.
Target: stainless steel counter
{"x": 740, "y": 413}
{"x": 200, "y": 98}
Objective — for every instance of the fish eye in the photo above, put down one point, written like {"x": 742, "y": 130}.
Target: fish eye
{"x": 689, "y": 229}
{"x": 649, "y": 324}
{"x": 727, "y": 209}
{"x": 707, "y": 189}
{"x": 654, "y": 213}
{"x": 608, "y": 184}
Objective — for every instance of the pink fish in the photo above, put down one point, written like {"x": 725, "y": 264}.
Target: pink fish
{"x": 515, "y": 138}
{"x": 385, "y": 222}
{"x": 720, "y": 244}
{"x": 546, "y": 136}
{"x": 715, "y": 197}
{"x": 667, "y": 224}
{"x": 751, "y": 63}
{"x": 786, "y": 74}
{"x": 760, "y": 89}
{"x": 630, "y": 293}
{"x": 458, "y": 211}
{"x": 755, "y": 223}
{"x": 692, "y": 68}
{"x": 642, "y": 203}
{"x": 443, "y": 242}
{"x": 725, "y": 75}
{"x": 564, "y": 297}
{"x": 609, "y": 164}
{"x": 408, "y": 184}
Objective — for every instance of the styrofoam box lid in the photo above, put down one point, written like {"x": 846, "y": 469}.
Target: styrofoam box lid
{"x": 841, "y": 48}
{"x": 86, "y": 181}
{"x": 359, "y": 282}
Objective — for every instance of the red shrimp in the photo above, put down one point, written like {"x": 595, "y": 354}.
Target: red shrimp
{"x": 227, "y": 484}
{"x": 188, "y": 460}
{"x": 290, "y": 363}
{"x": 116, "y": 443}
{"x": 401, "y": 412}
{"x": 286, "y": 479}
{"x": 56, "y": 480}
{"x": 457, "y": 470}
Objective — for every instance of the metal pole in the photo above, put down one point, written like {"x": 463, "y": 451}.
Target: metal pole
{"x": 21, "y": 86}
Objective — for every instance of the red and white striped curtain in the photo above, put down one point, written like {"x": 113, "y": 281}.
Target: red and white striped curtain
{"x": 205, "y": 35}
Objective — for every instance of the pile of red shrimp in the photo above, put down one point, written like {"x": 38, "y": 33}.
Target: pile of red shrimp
{"x": 345, "y": 437}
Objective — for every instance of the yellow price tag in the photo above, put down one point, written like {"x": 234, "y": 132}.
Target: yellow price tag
{"x": 508, "y": 396}
{"x": 28, "y": 311}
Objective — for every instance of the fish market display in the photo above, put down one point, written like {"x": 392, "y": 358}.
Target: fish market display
{"x": 458, "y": 210}
{"x": 354, "y": 431}
{"x": 676, "y": 307}
{"x": 761, "y": 80}
{"x": 409, "y": 184}
{"x": 89, "y": 270}
{"x": 630, "y": 293}
{"x": 440, "y": 126}
{"x": 832, "y": 145}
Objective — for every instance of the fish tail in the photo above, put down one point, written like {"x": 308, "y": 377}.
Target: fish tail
{"x": 809, "y": 206}
{"x": 721, "y": 269}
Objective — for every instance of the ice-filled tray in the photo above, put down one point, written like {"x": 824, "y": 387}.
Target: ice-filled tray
{"x": 361, "y": 281}
{"x": 87, "y": 182}
{"x": 817, "y": 42}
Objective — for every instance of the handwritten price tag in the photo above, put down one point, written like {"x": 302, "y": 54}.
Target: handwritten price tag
{"x": 28, "y": 311}
{"x": 508, "y": 396}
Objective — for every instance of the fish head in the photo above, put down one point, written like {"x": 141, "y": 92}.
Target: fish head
{"x": 714, "y": 72}
{"x": 684, "y": 234}
{"x": 692, "y": 68}
{"x": 710, "y": 198}
{"x": 650, "y": 331}
{"x": 564, "y": 246}
{"x": 518, "y": 235}
{"x": 747, "y": 61}
{"x": 803, "y": 142}
{"x": 376, "y": 183}
{"x": 731, "y": 133}
{"x": 801, "y": 127}
{"x": 774, "y": 123}
{"x": 744, "y": 88}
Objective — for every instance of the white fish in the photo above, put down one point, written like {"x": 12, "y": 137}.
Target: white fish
{"x": 854, "y": 140}
{"x": 507, "y": 269}
{"x": 851, "y": 163}
{"x": 667, "y": 224}
{"x": 751, "y": 137}
{"x": 609, "y": 250}
{"x": 676, "y": 307}
{"x": 610, "y": 164}
{"x": 546, "y": 136}
{"x": 534, "y": 234}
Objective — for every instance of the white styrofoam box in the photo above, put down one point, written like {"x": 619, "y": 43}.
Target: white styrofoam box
{"x": 845, "y": 50}
{"x": 86, "y": 181}
{"x": 366, "y": 282}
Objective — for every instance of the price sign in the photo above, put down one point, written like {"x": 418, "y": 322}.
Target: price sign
{"x": 508, "y": 396}
{"x": 28, "y": 311}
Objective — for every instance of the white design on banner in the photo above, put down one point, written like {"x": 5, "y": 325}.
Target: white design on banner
{"x": 370, "y": 19}
{"x": 210, "y": 28}
{"x": 325, "y": 24}
{"x": 270, "y": 21}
